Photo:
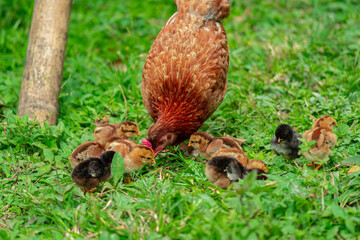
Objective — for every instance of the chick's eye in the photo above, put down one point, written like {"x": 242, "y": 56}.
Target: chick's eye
{"x": 132, "y": 131}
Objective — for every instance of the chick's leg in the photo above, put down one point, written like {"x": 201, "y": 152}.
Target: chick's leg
{"x": 317, "y": 167}
{"x": 128, "y": 179}
{"x": 92, "y": 190}
{"x": 311, "y": 164}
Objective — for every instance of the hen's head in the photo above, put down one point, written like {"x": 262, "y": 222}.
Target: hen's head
{"x": 160, "y": 138}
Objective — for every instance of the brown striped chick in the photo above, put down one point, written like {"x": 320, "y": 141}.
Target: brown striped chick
{"x": 325, "y": 121}
{"x": 85, "y": 151}
{"x": 219, "y": 143}
{"x": 240, "y": 141}
{"x": 200, "y": 141}
{"x": 238, "y": 154}
{"x": 124, "y": 130}
{"x": 259, "y": 166}
{"x": 325, "y": 140}
{"x": 208, "y": 145}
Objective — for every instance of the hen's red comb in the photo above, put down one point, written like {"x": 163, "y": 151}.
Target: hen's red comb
{"x": 146, "y": 143}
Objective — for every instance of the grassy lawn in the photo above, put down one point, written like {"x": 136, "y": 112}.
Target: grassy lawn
{"x": 291, "y": 61}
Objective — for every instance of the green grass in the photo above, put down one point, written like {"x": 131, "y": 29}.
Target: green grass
{"x": 290, "y": 61}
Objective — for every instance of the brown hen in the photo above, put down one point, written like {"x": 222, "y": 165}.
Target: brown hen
{"x": 184, "y": 76}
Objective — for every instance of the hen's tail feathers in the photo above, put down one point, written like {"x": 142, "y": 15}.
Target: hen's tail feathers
{"x": 207, "y": 9}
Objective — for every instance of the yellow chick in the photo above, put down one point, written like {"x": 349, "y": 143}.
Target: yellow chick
{"x": 135, "y": 156}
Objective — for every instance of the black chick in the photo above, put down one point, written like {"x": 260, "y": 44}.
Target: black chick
{"x": 286, "y": 142}
{"x": 223, "y": 170}
{"x": 89, "y": 173}
{"x": 236, "y": 170}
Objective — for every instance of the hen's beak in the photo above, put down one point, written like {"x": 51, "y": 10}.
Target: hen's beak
{"x": 279, "y": 141}
{"x": 189, "y": 145}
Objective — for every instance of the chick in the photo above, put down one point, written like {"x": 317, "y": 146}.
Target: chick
{"x": 216, "y": 170}
{"x": 135, "y": 157}
{"x": 286, "y": 142}
{"x": 138, "y": 157}
{"x": 224, "y": 169}
{"x": 324, "y": 137}
{"x": 85, "y": 151}
{"x": 200, "y": 141}
{"x": 119, "y": 145}
{"x": 238, "y": 154}
{"x": 221, "y": 142}
{"x": 259, "y": 166}
{"x": 89, "y": 173}
{"x": 124, "y": 130}
{"x": 208, "y": 145}
{"x": 240, "y": 141}
{"x": 236, "y": 170}
{"x": 325, "y": 121}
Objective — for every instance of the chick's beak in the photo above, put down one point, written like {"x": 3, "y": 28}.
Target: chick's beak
{"x": 279, "y": 141}
{"x": 335, "y": 124}
{"x": 152, "y": 162}
{"x": 139, "y": 133}
{"x": 189, "y": 144}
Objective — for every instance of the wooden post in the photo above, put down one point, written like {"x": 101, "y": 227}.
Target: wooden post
{"x": 44, "y": 63}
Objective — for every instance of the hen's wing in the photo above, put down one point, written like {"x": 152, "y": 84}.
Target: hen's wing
{"x": 184, "y": 75}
